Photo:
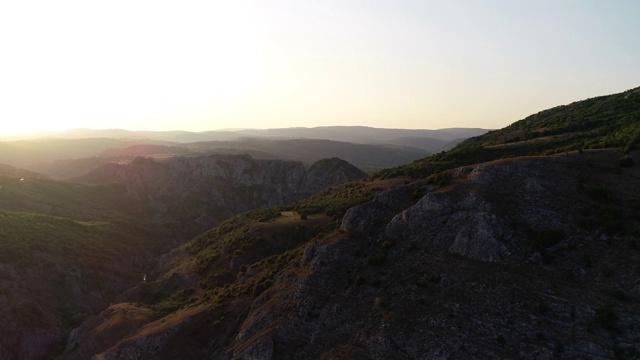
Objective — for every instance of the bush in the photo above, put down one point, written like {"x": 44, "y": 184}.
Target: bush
{"x": 264, "y": 215}
{"x": 260, "y": 288}
{"x": 441, "y": 179}
{"x": 626, "y": 161}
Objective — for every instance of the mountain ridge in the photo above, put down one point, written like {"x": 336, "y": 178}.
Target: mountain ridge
{"x": 520, "y": 243}
{"x": 417, "y": 267}
{"x": 365, "y": 134}
{"x": 202, "y": 191}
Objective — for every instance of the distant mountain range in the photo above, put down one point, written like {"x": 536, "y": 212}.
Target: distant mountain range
{"x": 353, "y": 134}
{"x": 73, "y": 153}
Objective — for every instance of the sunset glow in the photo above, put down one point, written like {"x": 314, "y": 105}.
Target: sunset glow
{"x": 201, "y": 65}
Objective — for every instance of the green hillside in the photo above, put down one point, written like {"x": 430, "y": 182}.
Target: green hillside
{"x": 600, "y": 122}
{"x": 263, "y": 240}
{"x": 64, "y": 199}
{"x": 66, "y": 251}
{"x": 22, "y": 234}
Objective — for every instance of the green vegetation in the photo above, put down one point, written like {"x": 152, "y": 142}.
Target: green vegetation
{"x": 440, "y": 179}
{"x": 24, "y": 234}
{"x": 601, "y": 122}
{"x": 335, "y": 201}
{"x": 264, "y": 215}
{"x": 69, "y": 200}
{"x": 625, "y": 161}
{"x": 241, "y": 256}
{"x": 253, "y": 246}
{"x": 63, "y": 243}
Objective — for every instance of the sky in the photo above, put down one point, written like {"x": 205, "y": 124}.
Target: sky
{"x": 206, "y": 65}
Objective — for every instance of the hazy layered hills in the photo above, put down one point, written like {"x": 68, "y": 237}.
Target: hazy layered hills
{"x": 462, "y": 255}
{"x": 74, "y": 153}
{"x": 353, "y": 134}
{"x": 11, "y": 171}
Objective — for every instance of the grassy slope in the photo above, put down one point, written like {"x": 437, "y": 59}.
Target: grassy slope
{"x": 66, "y": 251}
{"x": 64, "y": 199}
{"x": 601, "y": 122}
{"x": 262, "y": 240}
{"x": 234, "y": 262}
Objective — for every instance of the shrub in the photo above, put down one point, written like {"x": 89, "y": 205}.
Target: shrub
{"x": 441, "y": 179}
{"x": 259, "y": 288}
{"x": 264, "y": 215}
{"x": 625, "y": 161}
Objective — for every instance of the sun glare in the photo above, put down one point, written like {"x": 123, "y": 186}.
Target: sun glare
{"x": 79, "y": 64}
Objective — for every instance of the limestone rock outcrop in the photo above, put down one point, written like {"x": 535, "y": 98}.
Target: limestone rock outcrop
{"x": 489, "y": 265}
{"x": 449, "y": 275}
{"x": 326, "y": 172}
{"x": 204, "y": 190}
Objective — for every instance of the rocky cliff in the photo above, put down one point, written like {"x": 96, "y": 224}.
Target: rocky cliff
{"x": 527, "y": 258}
{"x": 196, "y": 193}
{"x": 510, "y": 259}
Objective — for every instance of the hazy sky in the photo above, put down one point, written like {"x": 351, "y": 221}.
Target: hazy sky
{"x": 202, "y": 65}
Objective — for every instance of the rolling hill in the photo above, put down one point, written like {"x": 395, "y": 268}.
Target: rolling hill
{"x": 65, "y": 163}
{"x": 601, "y": 122}
{"x": 353, "y": 134}
{"x": 69, "y": 154}
{"x": 520, "y": 243}
{"x": 67, "y": 251}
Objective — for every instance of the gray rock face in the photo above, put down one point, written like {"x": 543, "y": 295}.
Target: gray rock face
{"x": 369, "y": 217}
{"x": 473, "y": 219}
{"x": 466, "y": 227}
{"x": 452, "y": 279}
{"x": 266, "y": 181}
{"x": 326, "y": 172}
{"x": 204, "y": 190}
{"x": 451, "y": 274}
